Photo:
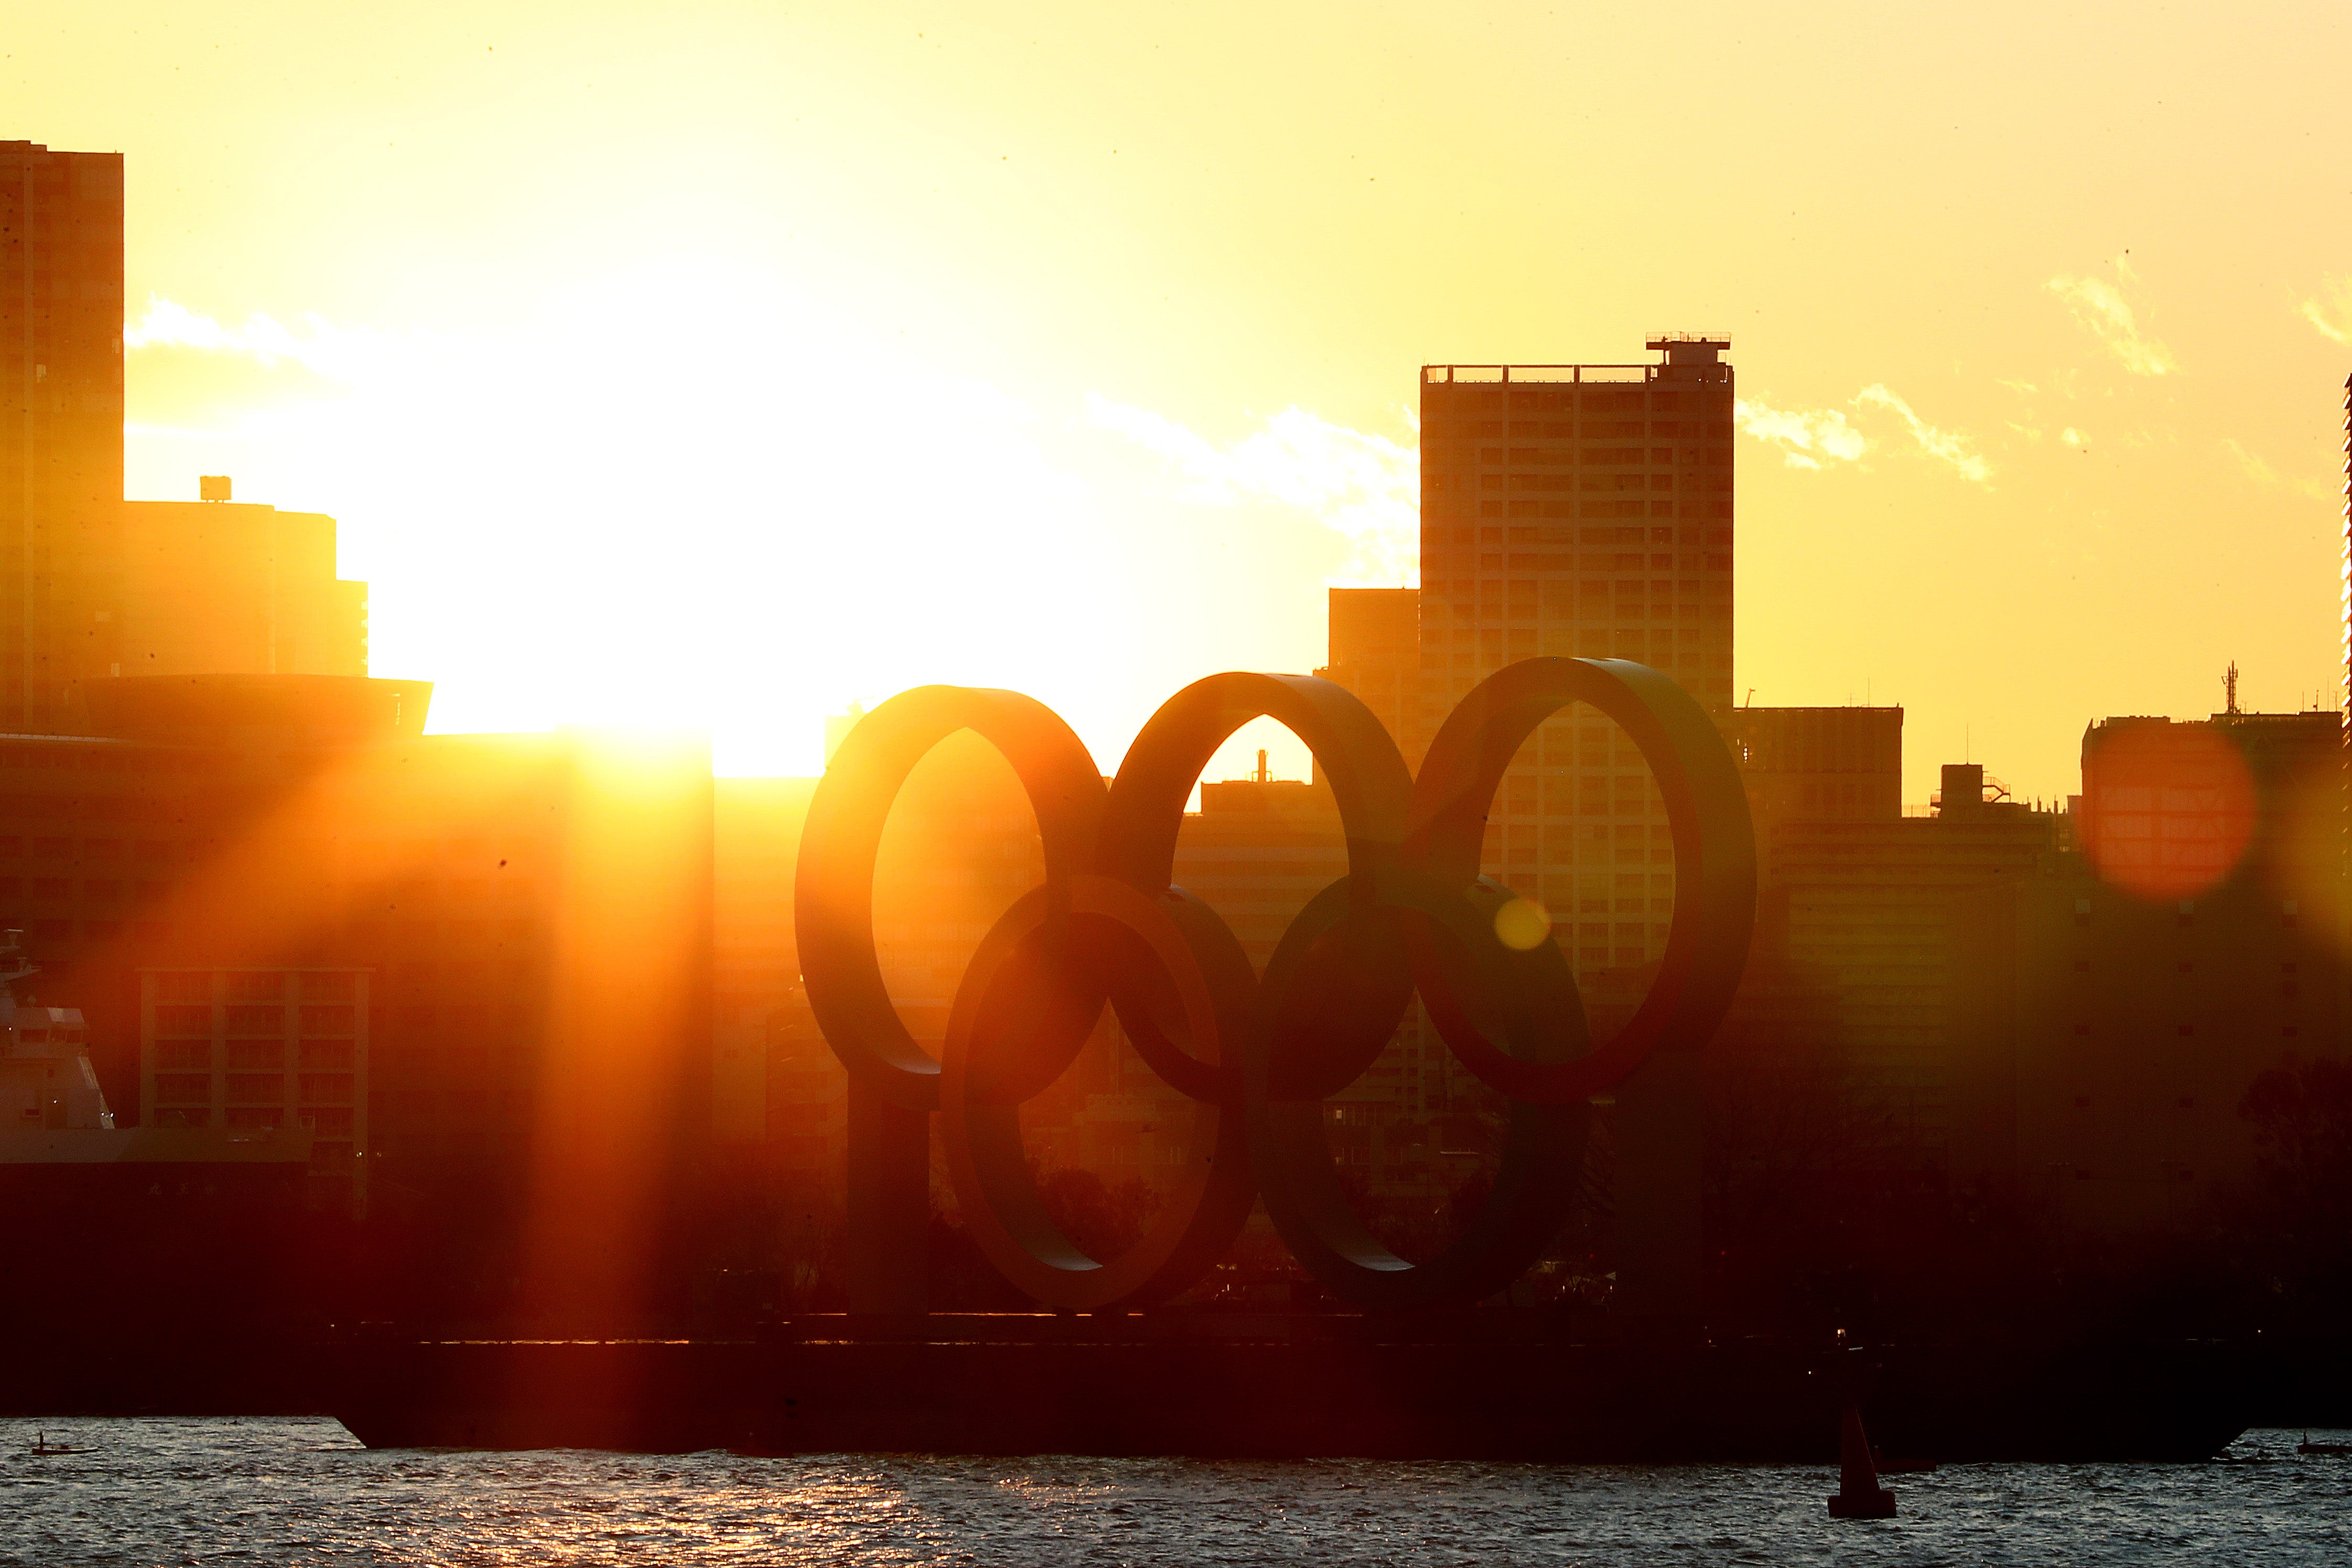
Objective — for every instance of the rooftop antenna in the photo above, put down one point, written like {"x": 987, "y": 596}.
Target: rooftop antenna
{"x": 2230, "y": 688}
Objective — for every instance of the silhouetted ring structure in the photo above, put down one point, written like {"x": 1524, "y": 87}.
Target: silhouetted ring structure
{"x": 1258, "y": 1056}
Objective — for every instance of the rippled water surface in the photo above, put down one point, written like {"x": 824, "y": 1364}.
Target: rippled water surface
{"x": 302, "y": 1492}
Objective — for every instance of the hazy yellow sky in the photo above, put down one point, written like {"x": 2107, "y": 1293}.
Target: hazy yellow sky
{"x": 716, "y": 365}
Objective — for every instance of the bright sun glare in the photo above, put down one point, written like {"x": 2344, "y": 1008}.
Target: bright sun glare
{"x": 680, "y": 496}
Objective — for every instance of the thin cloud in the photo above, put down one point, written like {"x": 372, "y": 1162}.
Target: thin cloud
{"x": 2333, "y": 317}
{"x": 337, "y": 353}
{"x": 2260, "y": 472}
{"x": 2255, "y": 467}
{"x": 2102, "y": 309}
{"x": 1944, "y": 445}
{"x": 1804, "y": 437}
{"x": 1363, "y": 486}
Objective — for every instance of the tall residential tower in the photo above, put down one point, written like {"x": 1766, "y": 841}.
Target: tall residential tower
{"x": 1585, "y": 511}
{"x": 60, "y": 426}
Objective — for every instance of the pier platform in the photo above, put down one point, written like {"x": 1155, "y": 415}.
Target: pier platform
{"x": 1283, "y": 1387}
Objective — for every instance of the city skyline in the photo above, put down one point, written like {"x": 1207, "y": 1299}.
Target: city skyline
{"x": 1041, "y": 737}
{"x": 1235, "y": 377}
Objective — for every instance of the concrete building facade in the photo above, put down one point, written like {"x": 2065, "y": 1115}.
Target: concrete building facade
{"x": 249, "y": 1050}
{"x": 60, "y": 428}
{"x": 2111, "y": 1014}
{"x": 227, "y": 588}
{"x": 1375, "y": 652}
{"x": 531, "y": 914}
{"x": 1585, "y": 511}
{"x": 1868, "y": 904}
{"x": 2102, "y": 1043}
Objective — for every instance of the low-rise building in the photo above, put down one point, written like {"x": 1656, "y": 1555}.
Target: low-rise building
{"x": 2112, "y": 1014}
{"x": 220, "y": 588}
{"x": 2103, "y": 1044}
{"x": 243, "y": 1049}
{"x": 530, "y": 914}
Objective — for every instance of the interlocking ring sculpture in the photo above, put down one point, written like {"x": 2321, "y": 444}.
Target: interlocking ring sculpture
{"x": 1258, "y": 1056}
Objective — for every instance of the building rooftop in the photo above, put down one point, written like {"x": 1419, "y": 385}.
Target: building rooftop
{"x": 1685, "y": 353}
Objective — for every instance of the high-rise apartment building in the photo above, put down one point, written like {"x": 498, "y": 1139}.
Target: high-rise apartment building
{"x": 1584, "y": 511}
{"x": 60, "y": 427}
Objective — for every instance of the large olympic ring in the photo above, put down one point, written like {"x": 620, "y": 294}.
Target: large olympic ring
{"x": 1259, "y": 1056}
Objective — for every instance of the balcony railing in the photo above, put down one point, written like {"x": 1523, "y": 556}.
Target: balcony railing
{"x": 1523, "y": 375}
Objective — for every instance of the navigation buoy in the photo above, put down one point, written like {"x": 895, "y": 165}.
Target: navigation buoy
{"x": 1859, "y": 1495}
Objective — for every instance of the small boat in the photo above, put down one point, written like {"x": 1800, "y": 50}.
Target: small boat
{"x": 41, "y": 1445}
{"x": 2337, "y": 1450}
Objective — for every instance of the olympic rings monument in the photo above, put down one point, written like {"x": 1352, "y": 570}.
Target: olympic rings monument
{"x": 1255, "y": 1055}
{"x": 1423, "y": 1367}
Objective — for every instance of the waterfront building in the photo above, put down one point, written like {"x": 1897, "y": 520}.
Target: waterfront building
{"x": 61, "y": 1148}
{"x": 2110, "y": 1015}
{"x": 2102, "y": 1043}
{"x": 1866, "y": 906}
{"x": 245, "y": 1050}
{"x": 531, "y": 914}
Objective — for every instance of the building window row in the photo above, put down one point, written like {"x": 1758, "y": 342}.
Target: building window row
{"x": 1443, "y": 508}
{"x": 1598, "y": 598}
{"x": 1438, "y": 427}
{"x": 1619, "y": 536}
{"x": 1436, "y": 461}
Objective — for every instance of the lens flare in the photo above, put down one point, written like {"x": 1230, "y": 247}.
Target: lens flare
{"x": 2169, "y": 808}
{"x": 1522, "y": 924}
